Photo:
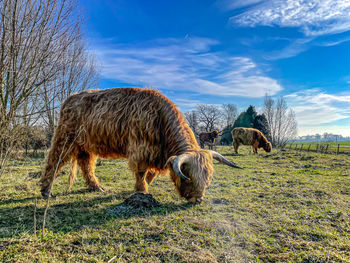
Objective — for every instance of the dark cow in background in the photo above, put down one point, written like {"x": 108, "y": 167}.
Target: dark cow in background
{"x": 208, "y": 137}
{"x": 140, "y": 125}
{"x": 250, "y": 136}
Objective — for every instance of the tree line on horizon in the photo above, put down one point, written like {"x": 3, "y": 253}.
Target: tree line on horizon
{"x": 276, "y": 121}
{"x": 325, "y": 137}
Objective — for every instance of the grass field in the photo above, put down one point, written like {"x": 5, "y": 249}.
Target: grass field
{"x": 285, "y": 206}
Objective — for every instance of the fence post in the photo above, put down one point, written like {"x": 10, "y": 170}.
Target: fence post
{"x": 301, "y": 148}
{"x": 290, "y": 146}
{"x": 308, "y": 149}
{"x": 338, "y": 149}
{"x": 326, "y": 149}
{"x": 317, "y": 148}
{"x": 296, "y": 147}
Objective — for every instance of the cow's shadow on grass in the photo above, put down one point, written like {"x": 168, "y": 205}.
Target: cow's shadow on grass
{"x": 18, "y": 201}
{"x": 32, "y": 198}
{"x": 72, "y": 216}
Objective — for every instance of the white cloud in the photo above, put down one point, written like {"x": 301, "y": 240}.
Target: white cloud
{"x": 313, "y": 17}
{"x": 185, "y": 64}
{"x": 314, "y": 108}
{"x": 294, "y": 48}
{"x": 185, "y": 104}
{"x": 234, "y": 4}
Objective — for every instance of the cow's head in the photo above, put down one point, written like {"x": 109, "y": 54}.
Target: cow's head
{"x": 192, "y": 172}
{"x": 215, "y": 133}
{"x": 268, "y": 147}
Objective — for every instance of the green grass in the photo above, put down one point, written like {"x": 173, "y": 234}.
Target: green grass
{"x": 286, "y": 206}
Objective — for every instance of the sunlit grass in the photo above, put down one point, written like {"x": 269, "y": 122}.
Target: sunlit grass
{"x": 282, "y": 207}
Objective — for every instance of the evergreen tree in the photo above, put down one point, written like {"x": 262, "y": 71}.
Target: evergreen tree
{"x": 246, "y": 118}
{"x": 240, "y": 121}
{"x": 251, "y": 115}
{"x": 260, "y": 123}
{"x": 226, "y": 135}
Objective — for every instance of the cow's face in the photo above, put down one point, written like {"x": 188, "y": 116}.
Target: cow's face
{"x": 215, "y": 134}
{"x": 197, "y": 167}
{"x": 268, "y": 147}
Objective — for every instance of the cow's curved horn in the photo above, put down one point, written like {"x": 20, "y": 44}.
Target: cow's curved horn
{"x": 178, "y": 161}
{"x": 217, "y": 156}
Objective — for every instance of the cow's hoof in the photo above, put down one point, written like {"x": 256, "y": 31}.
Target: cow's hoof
{"x": 45, "y": 194}
{"x": 195, "y": 200}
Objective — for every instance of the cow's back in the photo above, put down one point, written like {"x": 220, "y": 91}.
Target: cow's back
{"x": 121, "y": 120}
{"x": 243, "y": 135}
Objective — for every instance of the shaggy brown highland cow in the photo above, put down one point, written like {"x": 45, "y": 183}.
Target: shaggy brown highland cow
{"x": 141, "y": 125}
{"x": 208, "y": 137}
{"x": 250, "y": 136}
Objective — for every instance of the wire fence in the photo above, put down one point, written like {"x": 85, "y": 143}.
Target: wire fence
{"x": 320, "y": 147}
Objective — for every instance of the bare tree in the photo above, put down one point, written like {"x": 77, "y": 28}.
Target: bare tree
{"x": 281, "y": 121}
{"x": 35, "y": 37}
{"x": 77, "y": 73}
{"x": 192, "y": 120}
{"x": 269, "y": 113}
{"x": 209, "y": 117}
{"x": 230, "y": 113}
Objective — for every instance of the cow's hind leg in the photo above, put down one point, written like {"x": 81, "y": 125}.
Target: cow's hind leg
{"x": 86, "y": 162}
{"x": 59, "y": 154}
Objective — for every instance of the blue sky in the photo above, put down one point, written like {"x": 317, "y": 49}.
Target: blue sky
{"x": 228, "y": 51}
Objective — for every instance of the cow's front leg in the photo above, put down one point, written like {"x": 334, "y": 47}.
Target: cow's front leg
{"x": 255, "y": 147}
{"x": 141, "y": 185}
{"x": 150, "y": 177}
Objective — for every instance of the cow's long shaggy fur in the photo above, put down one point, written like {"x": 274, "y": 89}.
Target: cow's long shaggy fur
{"x": 140, "y": 125}
{"x": 250, "y": 136}
{"x": 208, "y": 137}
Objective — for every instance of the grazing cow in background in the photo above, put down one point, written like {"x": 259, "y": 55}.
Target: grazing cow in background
{"x": 140, "y": 125}
{"x": 250, "y": 136}
{"x": 209, "y": 138}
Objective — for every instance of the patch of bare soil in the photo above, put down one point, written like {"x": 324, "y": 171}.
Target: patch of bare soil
{"x": 140, "y": 200}
{"x": 134, "y": 204}
{"x": 221, "y": 201}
